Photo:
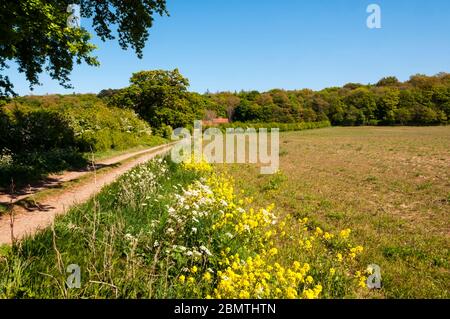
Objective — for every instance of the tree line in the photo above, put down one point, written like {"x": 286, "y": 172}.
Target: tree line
{"x": 162, "y": 98}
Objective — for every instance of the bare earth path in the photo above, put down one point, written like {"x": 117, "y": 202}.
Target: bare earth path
{"x": 54, "y": 180}
{"x": 26, "y": 222}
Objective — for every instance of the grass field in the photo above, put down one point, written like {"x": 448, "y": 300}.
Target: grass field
{"x": 390, "y": 185}
{"x": 198, "y": 231}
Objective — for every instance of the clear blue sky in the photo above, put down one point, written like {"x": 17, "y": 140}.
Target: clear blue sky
{"x": 263, "y": 44}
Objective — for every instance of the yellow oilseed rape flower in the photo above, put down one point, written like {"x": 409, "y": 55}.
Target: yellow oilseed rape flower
{"x": 318, "y": 290}
{"x": 308, "y": 245}
{"x": 306, "y": 267}
{"x": 318, "y": 231}
{"x": 194, "y": 269}
{"x": 309, "y": 294}
{"x": 273, "y": 251}
{"x": 339, "y": 257}
{"x": 332, "y": 271}
{"x": 244, "y": 294}
{"x": 362, "y": 282}
{"x": 309, "y": 280}
{"x": 345, "y": 233}
{"x": 291, "y": 293}
{"x": 182, "y": 278}
{"x": 207, "y": 276}
{"x": 327, "y": 236}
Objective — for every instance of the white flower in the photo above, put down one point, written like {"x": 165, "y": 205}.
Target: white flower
{"x": 205, "y": 250}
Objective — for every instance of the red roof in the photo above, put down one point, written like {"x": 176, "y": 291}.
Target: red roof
{"x": 217, "y": 121}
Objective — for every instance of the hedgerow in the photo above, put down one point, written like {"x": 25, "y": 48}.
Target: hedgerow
{"x": 47, "y": 134}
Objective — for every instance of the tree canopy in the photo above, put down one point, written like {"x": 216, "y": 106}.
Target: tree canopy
{"x": 161, "y": 97}
{"x": 35, "y": 35}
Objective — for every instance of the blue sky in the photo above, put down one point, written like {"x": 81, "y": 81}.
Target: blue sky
{"x": 263, "y": 44}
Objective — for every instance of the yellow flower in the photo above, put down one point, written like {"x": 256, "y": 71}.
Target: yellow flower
{"x": 244, "y": 294}
{"x": 345, "y": 233}
{"x": 191, "y": 280}
{"x": 362, "y": 282}
{"x": 308, "y": 294}
{"x": 306, "y": 267}
{"x": 291, "y": 293}
{"x": 319, "y": 231}
{"x": 207, "y": 276}
{"x": 327, "y": 236}
{"x": 339, "y": 257}
{"x": 273, "y": 251}
{"x": 182, "y": 278}
{"x": 309, "y": 280}
{"x": 194, "y": 269}
{"x": 332, "y": 271}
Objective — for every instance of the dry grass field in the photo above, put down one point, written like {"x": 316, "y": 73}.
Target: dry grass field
{"x": 390, "y": 185}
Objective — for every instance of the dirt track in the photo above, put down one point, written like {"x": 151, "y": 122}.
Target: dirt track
{"x": 28, "y": 222}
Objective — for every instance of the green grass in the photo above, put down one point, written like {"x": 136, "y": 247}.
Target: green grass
{"x": 170, "y": 231}
{"x": 99, "y": 237}
{"x": 153, "y": 141}
{"x": 389, "y": 185}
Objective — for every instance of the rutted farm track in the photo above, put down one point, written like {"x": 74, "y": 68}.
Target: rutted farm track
{"x": 24, "y": 221}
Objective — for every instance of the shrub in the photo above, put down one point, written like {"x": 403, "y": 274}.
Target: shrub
{"x": 47, "y": 134}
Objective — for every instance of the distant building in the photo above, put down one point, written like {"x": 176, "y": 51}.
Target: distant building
{"x": 216, "y": 121}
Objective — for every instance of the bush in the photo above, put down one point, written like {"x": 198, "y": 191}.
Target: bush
{"x": 283, "y": 127}
{"x": 46, "y": 134}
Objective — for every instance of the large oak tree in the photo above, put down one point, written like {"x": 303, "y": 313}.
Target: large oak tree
{"x": 35, "y": 35}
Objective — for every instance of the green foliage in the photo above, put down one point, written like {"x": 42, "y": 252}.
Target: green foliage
{"x": 161, "y": 98}
{"x": 283, "y": 127}
{"x": 35, "y": 34}
{"x": 422, "y": 100}
{"x": 47, "y": 134}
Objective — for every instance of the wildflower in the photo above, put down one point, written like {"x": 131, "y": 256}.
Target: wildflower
{"x": 309, "y": 280}
{"x": 207, "y": 276}
{"x": 308, "y": 294}
{"x": 182, "y": 278}
{"x": 345, "y": 233}
{"x": 332, "y": 271}
{"x": 318, "y": 232}
{"x": 339, "y": 257}
{"x": 327, "y": 236}
{"x": 194, "y": 269}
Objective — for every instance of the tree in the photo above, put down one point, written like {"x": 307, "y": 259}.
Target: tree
{"x": 161, "y": 98}
{"x": 364, "y": 100}
{"x": 387, "y": 104}
{"x": 388, "y": 81}
{"x": 35, "y": 35}
{"x": 228, "y": 101}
